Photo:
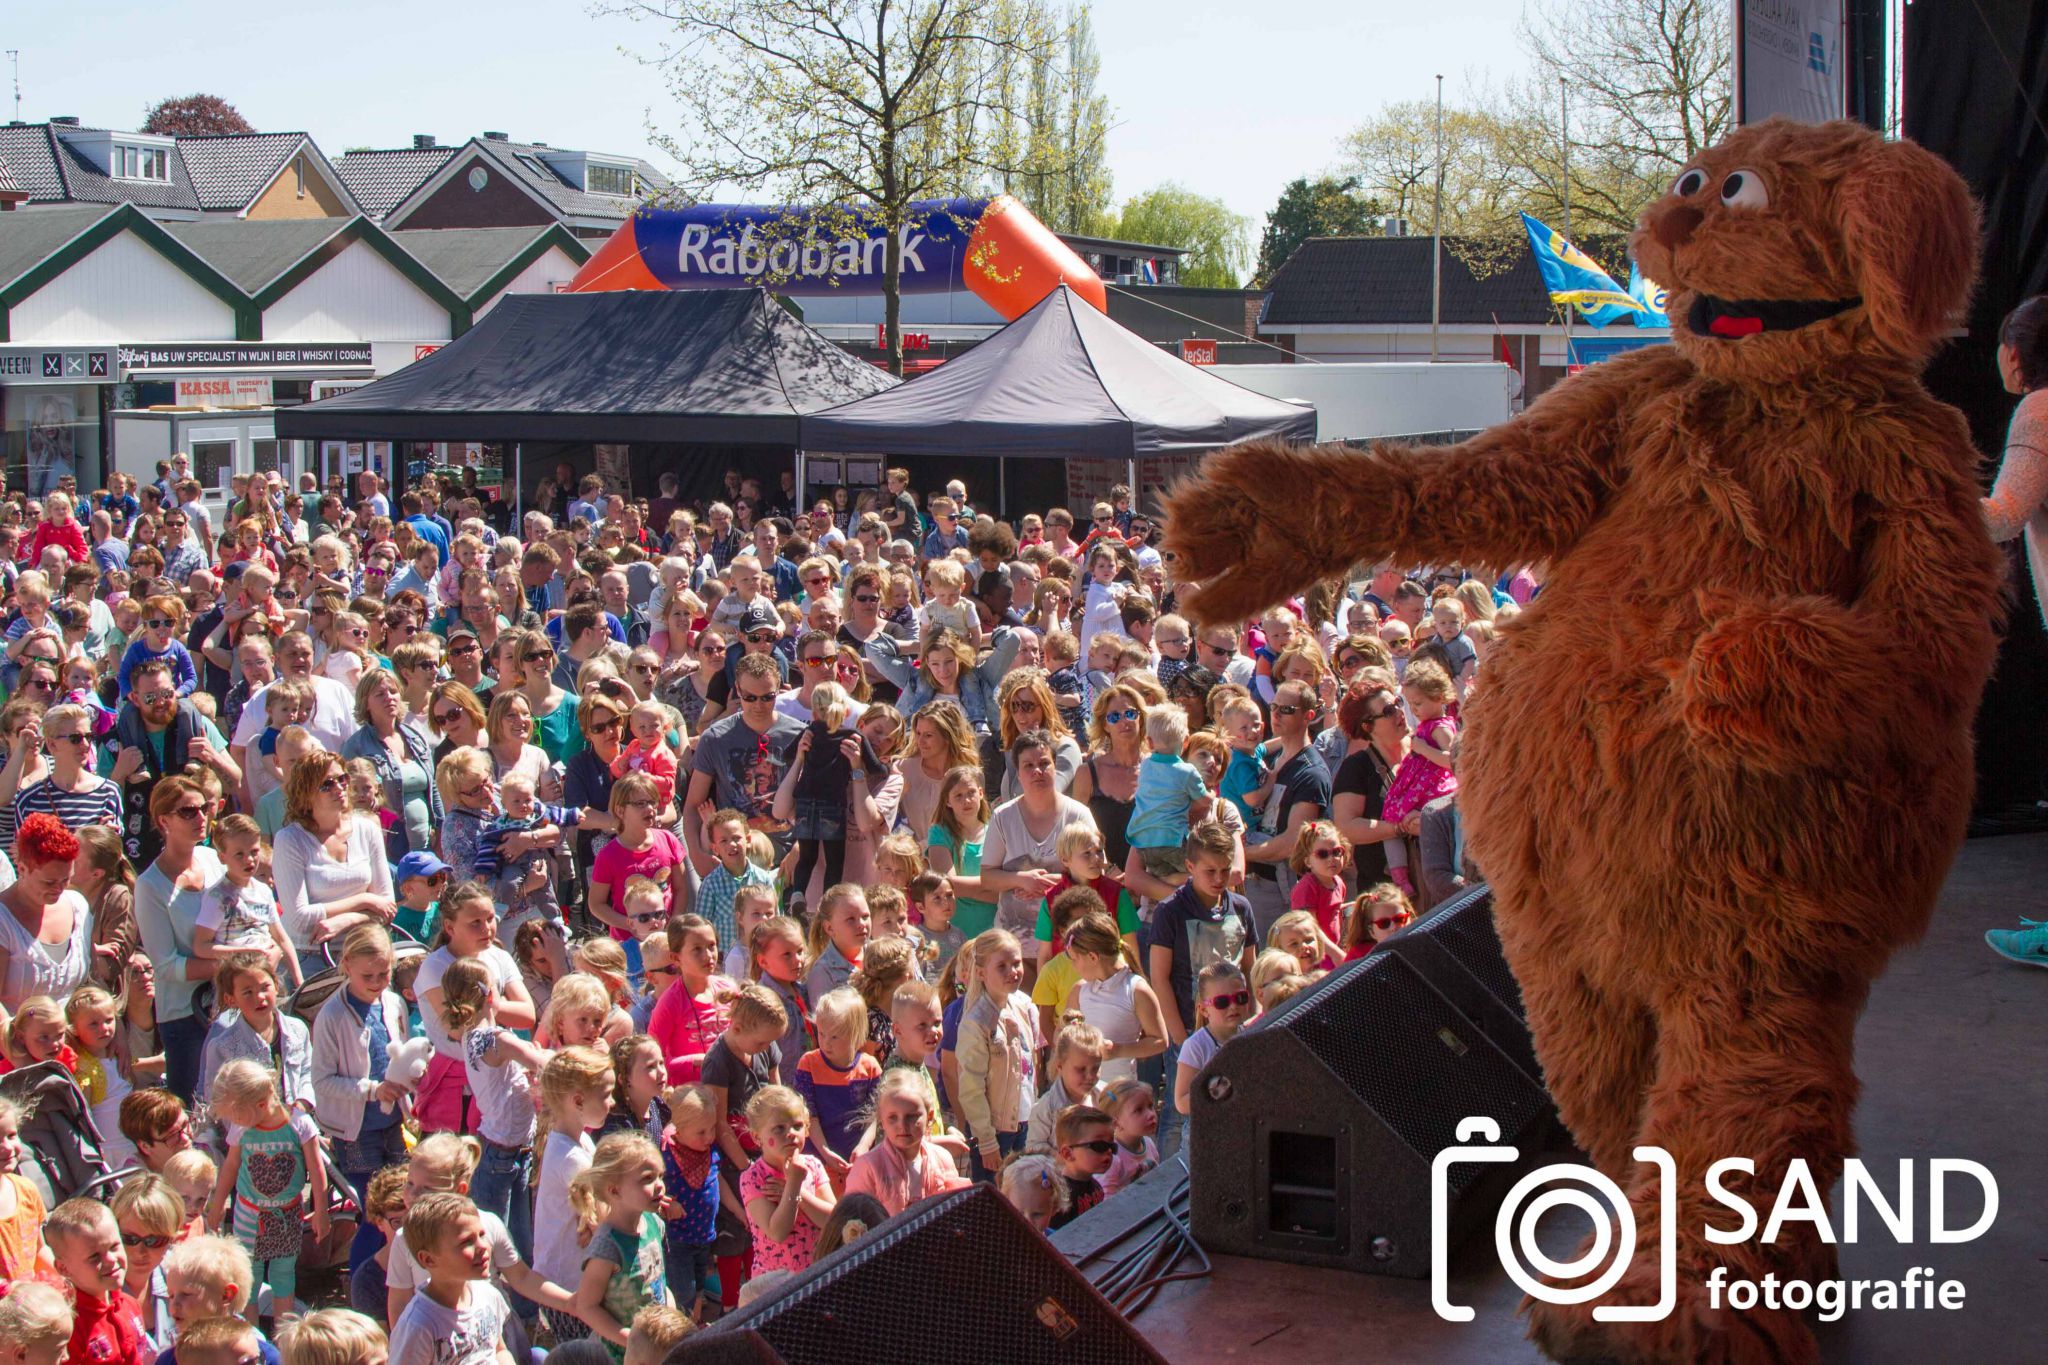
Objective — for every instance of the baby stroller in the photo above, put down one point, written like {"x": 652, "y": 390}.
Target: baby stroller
{"x": 306, "y": 1001}
{"x": 62, "y": 1153}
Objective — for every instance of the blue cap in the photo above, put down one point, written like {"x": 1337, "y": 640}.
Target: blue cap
{"x": 419, "y": 865}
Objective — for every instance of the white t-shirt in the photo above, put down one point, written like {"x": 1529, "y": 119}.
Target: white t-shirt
{"x": 433, "y": 969}
{"x": 555, "y": 1253}
{"x": 428, "y": 1334}
{"x": 503, "y": 1090}
{"x": 404, "y": 1272}
{"x": 332, "y": 722}
{"x": 240, "y": 916}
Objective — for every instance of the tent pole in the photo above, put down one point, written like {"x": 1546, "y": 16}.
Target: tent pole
{"x": 1131, "y": 477}
{"x": 802, "y": 469}
{"x": 518, "y": 485}
{"x": 1002, "y": 486}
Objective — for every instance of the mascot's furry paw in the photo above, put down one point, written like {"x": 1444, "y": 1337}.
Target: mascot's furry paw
{"x": 1759, "y": 686}
{"x": 1695, "y": 1333}
{"x": 1242, "y": 532}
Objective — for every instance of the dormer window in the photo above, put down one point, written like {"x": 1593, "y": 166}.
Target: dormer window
{"x": 612, "y": 180}
{"x": 129, "y": 162}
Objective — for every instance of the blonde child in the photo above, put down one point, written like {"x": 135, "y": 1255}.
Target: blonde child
{"x": 1429, "y": 770}
{"x": 723, "y": 868}
{"x": 998, "y": 1051}
{"x": 21, "y": 1204}
{"x": 93, "y": 1018}
{"x": 839, "y": 934}
{"x": 37, "y": 1034}
{"x": 1113, "y": 996}
{"x": 1379, "y": 912}
{"x": 1171, "y": 797}
{"x": 360, "y": 1108}
{"x": 837, "y": 1078}
{"x": 580, "y": 1013}
{"x": 1281, "y": 989}
{"x": 888, "y": 962}
{"x": 698, "y": 1183}
{"x": 889, "y": 912}
{"x": 945, "y": 583}
{"x": 899, "y": 861}
{"x": 618, "y": 1196}
{"x": 443, "y": 1163}
{"x": 469, "y": 931}
{"x": 455, "y": 1319}
{"x": 1297, "y": 937}
{"x": 366, "y": 794}
{"x": 787, "y": 1194}
{"x": 150, "y": 1214}
{"x": 1269, "y": 966}
{"x": 1134, "y": 1114}
{"x": 814, "y": 792}
{"x": 744, "y": 1061}
{"x": 1084, "y": 862}
{"x": 657, "y": 1329}
{"x": 501, "y": 1067}
{"x": 35, "y": 1325}
{"x": 917, "y": 1020}
{"x": 906, "y": 1163}
{"x": 191, "y": 1174}
{"x": 1056, "y": 977}
{"x": 778, "y": 952}
{"x": 273, "y": 1171}
{"x": 1319, "y": 858}
{"x": 208, "y": 1278}
{"x": 1247, "y": 780}
{"x": 239, "y": 911}
{"x": 648, "y": 751}
{"x": 605, "y": 959}
{"x": 931, "y": 896}
{"x": 333, "y": 1336}
{"x": 1223, "y": 1001}
{"x": 752, "y": 906}
{"x": 1078, "y": 1051}
{"x": 1034, "y": 1187}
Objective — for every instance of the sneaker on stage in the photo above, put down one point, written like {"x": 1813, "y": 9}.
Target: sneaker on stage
{"x": 2027, "y": 945}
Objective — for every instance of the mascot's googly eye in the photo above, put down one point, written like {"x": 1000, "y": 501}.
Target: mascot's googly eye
{"x": 1745, "y": 189}
{"x": 1689, "y": 183}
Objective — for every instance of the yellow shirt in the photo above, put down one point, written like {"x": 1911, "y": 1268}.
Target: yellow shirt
{"x": 1056, "y": 981}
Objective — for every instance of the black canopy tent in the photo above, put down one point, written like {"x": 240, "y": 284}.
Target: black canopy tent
{"x": 705, "y": 366}
{"x": 1062, "y": 380}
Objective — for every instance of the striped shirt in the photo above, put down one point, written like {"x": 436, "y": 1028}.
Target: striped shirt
{"x": 98, "y": 802}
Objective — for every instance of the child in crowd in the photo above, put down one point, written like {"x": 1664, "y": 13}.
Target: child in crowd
{"x": 836, "y": 1079}
{"x": 1269, "y": 966}
{"x": 162, "y": 617}
{"x": 576, "y": 1087}
{"x": 191, "y": 1174}
{"x": 1319, "y": 858}
{"x": 998, "y": 1051}
{"x": 1056, "y": 977}
{"x": 1078, "y": 1050}
{"x": 1247, "y": 782}
{"x": 455, "y": 1319}
{"x": 1223, "y": 1003}
{"x": 541, "y": 947}
{"x": 887, "y": 963}
{"x": 839, "y": 934}
{"x": 500, "y": 1066}
{"x": 787, "y": 1194}
{"x": 649, "y": 724}
{"x": 1295, "y": 937}
{"x": 814, "y": 790}
{"x": 918, "y": 1023}
{"x": 37, "y": 1034}
{"x": 1062, "y": 653}
{"x": 421, "y": 879}
{"x": 657, "y": 1329}
{"x": 899, "y": 861}
{"x": 743, "y": 1063}
{"x": 287, "y": 702}
{"x": 150, "y": 1215}
{"x": 889, "y": 912}
{"x": 274, "y": 1173}
{"x": 469, "y": 930}
{"x": 333, "y": 1336}
{"x": 91, "y": 1016}
{"x": 220, "y": 1341}
{"x": 639, "y": 1087}
{"x": 444, "y": 1163}
{"x": 1036, "y": 1188}
{"x": 1171, "y": 638}
{"x": 945, "y": 582}
{"x": 694, "y": 1169}
{"x": 35, "y": 1325}
{"x": 240, "y": 910}
{"x": 1113, "y": 997}
{"x": 21, "y": 1204}
{"x": 369, "y": 1284}
{"x": 1429, "y": 770}
{"x": 524, "y": 882}
{"x": 366, "y": 794}
{"x": 932, "y": 895}
{"x": 1379, "y": 913}
{"x": 1083, "y": 862}
{"x": 1085, "y": 1151}
{"x": 906, "y": 1163}
{"x": 1202, "y": 923}
{"x": 752, "y": 906}
{"x": 254, "y": 1029}
{"x": 723, "y": 868}
{"x": 1134, "y": 1112}
{"x": 778, "y": 966}
{"x": 960, "y": 817}
{"x": 617, "y": 1196}
{"x": 359, "y": 1106}
{"x": 211, "y": 1279}
{"x": 1171, "y": 797}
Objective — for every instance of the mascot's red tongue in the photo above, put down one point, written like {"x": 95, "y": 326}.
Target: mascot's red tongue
{"x": 1735, "y": 327}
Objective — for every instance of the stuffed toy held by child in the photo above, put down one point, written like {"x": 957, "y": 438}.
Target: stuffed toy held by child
{"x": 408, "y": 1062}
{"x": 1721, "y": 764}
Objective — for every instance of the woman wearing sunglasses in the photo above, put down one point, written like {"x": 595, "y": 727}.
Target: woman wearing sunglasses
{"x": 328, "y": 860}
{"x": 1376, "y": 736}
{"x": 554, "y": 708}
{"x": 72, "y": 791}
{"x": 397, "y": 745}
{"x": 167, "y": 897}
{"x": 1107, "y": 782}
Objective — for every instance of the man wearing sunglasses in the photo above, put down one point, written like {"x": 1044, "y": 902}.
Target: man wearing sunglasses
{"x": 742, "y": 757}
{"x": 156, "y": 733}
{"x": 1301, "y": 793}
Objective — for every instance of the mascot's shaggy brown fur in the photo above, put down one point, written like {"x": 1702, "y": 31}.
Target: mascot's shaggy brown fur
{"x": 1721, "y": 764}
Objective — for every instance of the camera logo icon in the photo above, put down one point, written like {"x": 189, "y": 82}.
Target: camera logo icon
{"x": 1559, "y": 1185}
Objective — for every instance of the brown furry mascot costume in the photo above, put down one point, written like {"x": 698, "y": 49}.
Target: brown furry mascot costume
{"x": 1721, "y": 764}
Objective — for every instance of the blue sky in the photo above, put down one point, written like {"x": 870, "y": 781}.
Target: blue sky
{"x": 1230, "y": 97}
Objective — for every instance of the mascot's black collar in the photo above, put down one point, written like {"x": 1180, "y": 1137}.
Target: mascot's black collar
{"x": 1733, "y": 318}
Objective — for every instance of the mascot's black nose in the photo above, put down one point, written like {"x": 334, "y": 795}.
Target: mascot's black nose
{"x": 1674, "y": 227}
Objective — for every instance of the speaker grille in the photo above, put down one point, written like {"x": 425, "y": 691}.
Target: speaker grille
{"x": 1444, "y": 1070}
{"x": 957, "y": 1280}
{"x": 1468, "y": 934}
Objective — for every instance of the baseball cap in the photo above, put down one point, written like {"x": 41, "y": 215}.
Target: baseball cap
{"x": 421, "y": 864}
{"x": 759, "y": 616}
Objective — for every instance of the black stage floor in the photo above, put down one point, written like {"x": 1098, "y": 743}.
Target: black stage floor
{"x": 1953, "y": 1053}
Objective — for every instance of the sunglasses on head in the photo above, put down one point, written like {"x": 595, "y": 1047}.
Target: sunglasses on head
{"x": 1230, "y": 998}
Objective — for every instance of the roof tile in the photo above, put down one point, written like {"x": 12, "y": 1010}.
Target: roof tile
{"x": 1386, "y": 281}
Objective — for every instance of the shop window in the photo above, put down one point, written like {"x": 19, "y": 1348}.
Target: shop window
{"x": 266, "y": 455}
{"x": 212, "y": 463}
{"x": 51, "y": 431}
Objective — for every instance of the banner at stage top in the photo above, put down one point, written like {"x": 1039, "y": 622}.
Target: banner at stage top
{"x": 1574, "y": 278}
{"x": 993, "y": 248}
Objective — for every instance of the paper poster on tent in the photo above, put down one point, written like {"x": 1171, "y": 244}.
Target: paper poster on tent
{"x": 616, "y": 468}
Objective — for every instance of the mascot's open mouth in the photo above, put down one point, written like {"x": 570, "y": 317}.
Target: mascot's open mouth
{"x": 1733, "y": 318}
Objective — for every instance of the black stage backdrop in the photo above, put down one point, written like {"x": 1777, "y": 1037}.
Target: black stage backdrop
{"x": 1976, "y": 91}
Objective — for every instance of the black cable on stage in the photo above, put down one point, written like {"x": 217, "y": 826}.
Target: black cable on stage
{"x": 1134, "y": 1279}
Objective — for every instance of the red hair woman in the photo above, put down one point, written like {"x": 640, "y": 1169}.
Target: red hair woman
{"x": 46, "y": 934}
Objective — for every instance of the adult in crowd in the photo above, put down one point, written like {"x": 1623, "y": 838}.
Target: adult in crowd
{"x": 1375, "y": 728}
{"x": 1019, "y": 858}
{"x": 740, "y": 760}
{"x": 332, "y": 722}
{"x": 940, "y": 741}
{"x": 552, "y": 706}
{"x": 398, "y": 747}
{"x": 948, "y": 669}
{"x": 167, "y": 898}
{"x": 329, "y": 860}
{"x": 156, "y": 735}
{"x": 1025, "y": 702}
{"x": 1107, "y": 783}
{"x": 510, "y": 726}
{"x": 46, "y": 932}
{"x": 457, "y": 715}
{"x": 587, "y": 779}
{"x": 70, "y": 790}
{"x": 1301, "y": 793}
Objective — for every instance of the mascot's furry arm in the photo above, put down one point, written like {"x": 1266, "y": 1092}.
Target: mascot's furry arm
{"x": 1261, "y": 521}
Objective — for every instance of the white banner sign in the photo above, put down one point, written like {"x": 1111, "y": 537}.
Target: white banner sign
{"x": 1788, "y": 60}
{"x": 224, "y": 391}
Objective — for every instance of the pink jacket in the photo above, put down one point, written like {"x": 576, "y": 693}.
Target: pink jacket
{"x": 881, "y": 1172}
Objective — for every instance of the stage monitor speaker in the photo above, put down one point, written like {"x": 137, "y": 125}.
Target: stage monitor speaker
{"x": 1313, "y": 1133}
{"x": 960, "y": 1279}
{"x": 1458, "y": 949}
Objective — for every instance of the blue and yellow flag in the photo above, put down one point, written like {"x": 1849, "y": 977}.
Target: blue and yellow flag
{"x": 1573, "y": 277}
{"x": 1651, "y": 295}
